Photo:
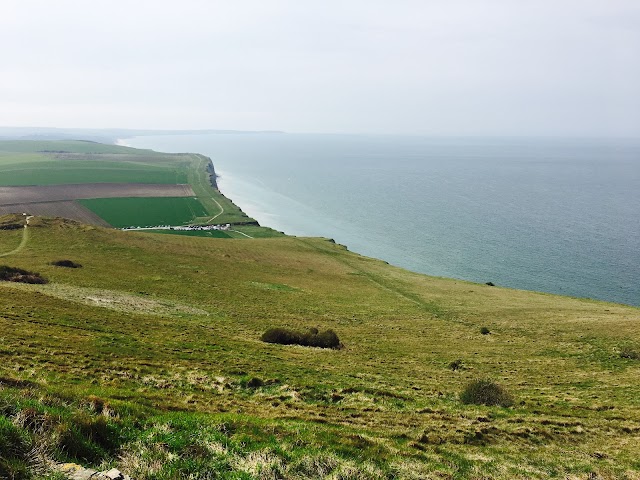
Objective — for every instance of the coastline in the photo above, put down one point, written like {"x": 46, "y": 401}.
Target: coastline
{"x": 459, "y": 255}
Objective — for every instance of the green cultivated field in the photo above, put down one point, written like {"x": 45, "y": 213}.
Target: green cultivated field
{"x": 149, "y": 359}
{"x": 72, "y": 172}
{"x": 125, "y": 212}
{"x": 64, "y": 146}
{"x": 194, "y": 233}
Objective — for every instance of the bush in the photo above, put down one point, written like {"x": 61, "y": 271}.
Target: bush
{"x": 255, "y": 382}
{"x": 311, "y": 338}
{"x": 630, "y": 352}
{"x": 485, "y": 392}
{"x": 456, "y": 365}
{"x": 66, "y": 264}
{"x": 11, "y": 274}
{"x": 485, "y": 331}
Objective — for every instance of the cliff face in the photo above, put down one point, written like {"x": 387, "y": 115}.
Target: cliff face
{"x": 212, "y": 174}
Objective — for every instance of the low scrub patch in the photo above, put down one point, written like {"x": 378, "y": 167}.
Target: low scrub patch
{"x": 10, "y": 226}
{"x": 456, "y": 365}
{"x": 66, "y": 264}
{"x": 11, "y": 274}
{"x": 311, "y": 338}
{"x": 630, "y": 352}
{"x": 486, "y": 392}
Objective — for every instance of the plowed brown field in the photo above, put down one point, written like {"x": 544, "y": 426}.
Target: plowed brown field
{"x": 57, "y": 193}
{"x": 58, "y": 200}
{"x": 65, "y": 209}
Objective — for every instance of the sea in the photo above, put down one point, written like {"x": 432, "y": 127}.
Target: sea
{"x": 556, "y": 215}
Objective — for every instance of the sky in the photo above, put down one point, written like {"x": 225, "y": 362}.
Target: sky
{"x": 424, "y": 67}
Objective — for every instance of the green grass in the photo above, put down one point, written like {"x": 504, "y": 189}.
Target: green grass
{"x": 211, "y": 198}
{"x": 74, "y": 172}
{"x": 146, "y": 212}
{"x": 194, "y": 233}
{"x": 254, "y": 231}
{"x": 165, "y": 329}
{"x": 12, "y": 160}
{"x": 62, "y": 146}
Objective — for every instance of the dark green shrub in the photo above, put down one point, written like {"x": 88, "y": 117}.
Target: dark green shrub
{"x": 11, "y": 226}
{"x": 485, "y": 331}
{"x": 456, "y": 365}
{"x": 255, "y": 382}
{"x": 326, "y": 339}
{"x": 485, "y": 392}
{"x": 66, "y": 264}
{"x": 11, "y": 274}
{"x": 630, "y": 352}
{"x": 312, "y": 338}
{"x": 281, "y": 336}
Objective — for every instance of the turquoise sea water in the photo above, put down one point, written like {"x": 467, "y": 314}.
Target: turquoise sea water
{"x": 553, "y": 215}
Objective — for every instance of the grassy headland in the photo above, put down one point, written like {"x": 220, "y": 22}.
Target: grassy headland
{"x": 149, "y": 358}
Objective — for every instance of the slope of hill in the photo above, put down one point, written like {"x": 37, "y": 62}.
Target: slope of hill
{"x": 149, "y": 358}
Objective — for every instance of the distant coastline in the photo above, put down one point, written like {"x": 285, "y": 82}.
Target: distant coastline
{"x": 528, "y": 214}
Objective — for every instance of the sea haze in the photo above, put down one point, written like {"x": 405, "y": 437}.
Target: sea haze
{"x": 553, "y": 215}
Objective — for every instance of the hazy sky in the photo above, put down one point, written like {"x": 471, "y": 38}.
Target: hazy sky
{"x": 452, "y": 67}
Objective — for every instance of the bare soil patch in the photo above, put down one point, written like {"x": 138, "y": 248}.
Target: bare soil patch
{"x": 65, "y": 209}
{"x": 113, "y": 300}
{"x": 57, "y": 193}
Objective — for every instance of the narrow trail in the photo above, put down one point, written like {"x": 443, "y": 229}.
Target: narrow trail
{"x": 23, "y": 242}
{"x": 221, "y": 211}
{"x": 241, "y": 233}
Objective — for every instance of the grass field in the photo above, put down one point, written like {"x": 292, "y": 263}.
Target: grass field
{"x": 64, "y": 146}
{"x": 148, "y": 358}
{"x": 146, "y": 212}
{"x": 72, "y": 172}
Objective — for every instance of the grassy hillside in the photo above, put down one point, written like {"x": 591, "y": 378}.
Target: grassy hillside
{"x": 149, "y": 358}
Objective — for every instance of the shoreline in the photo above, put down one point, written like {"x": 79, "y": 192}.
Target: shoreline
{"x": 362, "y": 241}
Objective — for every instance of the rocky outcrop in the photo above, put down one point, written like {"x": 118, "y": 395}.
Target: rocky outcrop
{"x": 73, "y": 471}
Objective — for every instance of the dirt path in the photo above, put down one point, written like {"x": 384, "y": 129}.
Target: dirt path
{"x": 23, "y": 242}
{"x": 241, "y": 233}
{"x": 221, "y": 211}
